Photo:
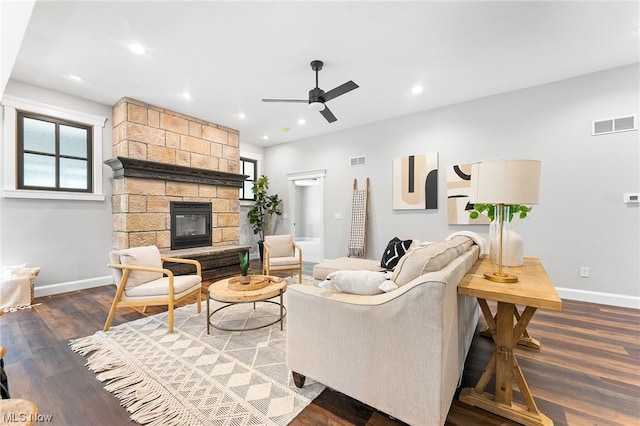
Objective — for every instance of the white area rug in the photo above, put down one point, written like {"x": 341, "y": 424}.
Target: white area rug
{"x": 191, "y": 378}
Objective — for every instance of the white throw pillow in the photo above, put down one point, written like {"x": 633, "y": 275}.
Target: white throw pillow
{"x": 141, "y": 256}
{"x": 355, "y": 282}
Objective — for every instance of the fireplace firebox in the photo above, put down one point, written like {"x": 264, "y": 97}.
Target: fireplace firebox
{"x": 190, "y": 224}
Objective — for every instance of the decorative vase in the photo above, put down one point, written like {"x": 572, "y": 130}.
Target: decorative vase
{"x": 512, "y": 246}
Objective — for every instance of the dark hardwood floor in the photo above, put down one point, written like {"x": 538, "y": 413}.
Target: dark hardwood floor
{"x": 587, "y": 372}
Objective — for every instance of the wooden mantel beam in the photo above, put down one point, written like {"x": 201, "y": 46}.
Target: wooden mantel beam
{"x": 130, "y": 167}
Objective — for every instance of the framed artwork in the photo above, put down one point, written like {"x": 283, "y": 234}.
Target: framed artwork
{"x": 415, "y": 182}
{"x": 458, "y": 189}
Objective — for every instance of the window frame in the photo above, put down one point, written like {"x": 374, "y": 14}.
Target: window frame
{"x": 57, "y": 155}
{"x": 254, "y": 161}
{"x": 11, "y": 105}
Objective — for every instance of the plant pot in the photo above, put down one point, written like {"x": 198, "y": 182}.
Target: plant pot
{"x": 260, "y": 250}
{"x": 245, "y": 279}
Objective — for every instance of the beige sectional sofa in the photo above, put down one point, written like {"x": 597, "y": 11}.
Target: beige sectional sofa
{"x": 401, "y": 352}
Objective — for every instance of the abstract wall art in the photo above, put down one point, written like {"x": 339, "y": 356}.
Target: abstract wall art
{"x": 415, "y": 182}
{"x": 458, "y": 190}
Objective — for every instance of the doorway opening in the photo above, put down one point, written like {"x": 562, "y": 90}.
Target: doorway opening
{"x": 306, "y": 221}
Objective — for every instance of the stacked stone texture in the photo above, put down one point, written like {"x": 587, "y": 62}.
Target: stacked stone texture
{"x": 141, "y": 206}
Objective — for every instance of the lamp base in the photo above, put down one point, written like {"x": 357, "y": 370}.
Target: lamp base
{"x": 501, "y": 278}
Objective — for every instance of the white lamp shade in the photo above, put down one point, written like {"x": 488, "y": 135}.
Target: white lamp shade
{"x": 505, "y": 182}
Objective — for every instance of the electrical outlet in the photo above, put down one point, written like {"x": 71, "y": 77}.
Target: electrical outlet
{"x": 584, "y": 272}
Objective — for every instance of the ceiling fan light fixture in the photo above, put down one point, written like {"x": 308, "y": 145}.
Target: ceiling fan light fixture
{"x": 316, "y": 106}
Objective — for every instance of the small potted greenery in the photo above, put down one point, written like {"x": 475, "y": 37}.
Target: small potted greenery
{"x": 261, "y": 214}
{"x": 244, "y": 268}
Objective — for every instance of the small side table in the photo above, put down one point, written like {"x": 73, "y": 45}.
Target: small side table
{"x": 533, "y": 290}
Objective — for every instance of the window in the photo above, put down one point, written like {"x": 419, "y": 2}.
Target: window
{"x": 53, "y": 154}
{"x": 248, "y": 167}
{"x": 50, "y": 152}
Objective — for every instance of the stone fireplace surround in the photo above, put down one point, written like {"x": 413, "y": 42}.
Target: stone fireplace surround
{"x": 162, "y": 156}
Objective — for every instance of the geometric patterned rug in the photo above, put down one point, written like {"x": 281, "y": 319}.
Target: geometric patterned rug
{"x": 191, "y": 378}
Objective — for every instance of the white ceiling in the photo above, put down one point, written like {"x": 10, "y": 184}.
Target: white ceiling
{"x": 228, "y": 55}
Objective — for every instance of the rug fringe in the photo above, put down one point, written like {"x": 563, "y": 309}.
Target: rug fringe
{"x": 144, "y": 399}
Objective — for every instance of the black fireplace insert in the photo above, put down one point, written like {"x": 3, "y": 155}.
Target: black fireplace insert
{"x": 190, "y": 224}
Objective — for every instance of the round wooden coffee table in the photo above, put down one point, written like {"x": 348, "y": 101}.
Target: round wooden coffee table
{"x": 221, "y": 292}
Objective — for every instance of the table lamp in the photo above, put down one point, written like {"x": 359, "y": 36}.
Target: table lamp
{"x": 503, "y": 183}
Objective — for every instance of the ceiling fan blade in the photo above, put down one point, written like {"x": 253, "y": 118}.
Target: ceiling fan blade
{"x": 340, "y": 90}
{"x": 326, "y": 113}
{"x": 300, "y": 101}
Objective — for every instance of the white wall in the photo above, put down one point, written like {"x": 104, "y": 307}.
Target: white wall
{"x": 580, "y": 221}
{"x": 68, "y": 240}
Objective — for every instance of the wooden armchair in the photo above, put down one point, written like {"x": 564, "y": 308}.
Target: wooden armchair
{"x": 142, "y": 281}
{"x": 279, "y": 255}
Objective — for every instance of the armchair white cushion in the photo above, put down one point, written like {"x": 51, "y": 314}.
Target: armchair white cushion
{"x": 142, "y": 280}
{"x": 282, "y": 254}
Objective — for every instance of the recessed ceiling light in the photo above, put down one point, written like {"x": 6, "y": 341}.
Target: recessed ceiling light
{"x": 241, "y": 115}
{"x": 186, "y": 95}
{"x": 137, "y": 48}
{"x": 265, "y": 137}
{"x": 75, "y": 77}
{"x": 416, "y": 89}
{"x": 285, "y": 129}
{"x": 302, "y": 121}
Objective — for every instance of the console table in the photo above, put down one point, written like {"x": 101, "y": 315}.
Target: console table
{"x": 533, "y": 290}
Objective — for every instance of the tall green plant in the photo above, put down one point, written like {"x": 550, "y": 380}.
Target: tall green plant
{"x": 261, "y": 214}
{"x": 514, "y": 209}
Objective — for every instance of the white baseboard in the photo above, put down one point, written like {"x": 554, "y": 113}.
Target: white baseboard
{"x": 597, "y": 297}
{"x": 51, "y": 289}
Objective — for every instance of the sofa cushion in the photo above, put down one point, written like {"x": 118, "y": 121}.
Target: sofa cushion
{"x": 355, "y": 282}
{"x": 280, "y": 245}
{"x": 430, "y": 258}
{"x": 394, "y": 251}
{"x": 141, "y": 256}
{"x": 323, "y": 269}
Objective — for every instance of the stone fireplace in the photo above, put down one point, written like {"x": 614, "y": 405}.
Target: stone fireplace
{"x": 163, "y": 157}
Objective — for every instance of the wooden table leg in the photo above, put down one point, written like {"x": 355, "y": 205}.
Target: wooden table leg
{"x": 525, "y": 339}
{"x": 506, "y": 368}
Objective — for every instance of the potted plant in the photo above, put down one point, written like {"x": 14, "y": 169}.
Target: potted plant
{"x": 261, "y": 214}
{"x": 514, "y": 253}
{"x": 244, "y": 268}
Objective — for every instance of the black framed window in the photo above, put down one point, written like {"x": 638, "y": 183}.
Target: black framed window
{"x": 54, "y": 154}
{"x": 248, "y": 167}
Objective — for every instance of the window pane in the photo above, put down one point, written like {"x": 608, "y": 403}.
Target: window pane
{"x": 248, "y": 169}
{"x": 73, "y": 141}
{"x": 39, "y": 170}
{"x": 39, "y": 136}
{"x": 73, "y": 174}
{"x": 248, "y": 195}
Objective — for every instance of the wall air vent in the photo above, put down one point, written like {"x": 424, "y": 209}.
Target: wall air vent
{"x": 614, "y": 125}
{"x": 358, "y": 161}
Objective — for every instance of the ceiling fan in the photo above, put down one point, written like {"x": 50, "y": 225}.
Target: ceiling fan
{"x": 318, "y": 97}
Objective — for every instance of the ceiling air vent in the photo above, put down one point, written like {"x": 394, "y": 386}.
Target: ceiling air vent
{"x": 613, "y": 125}
{"x": 358, "y": 161}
